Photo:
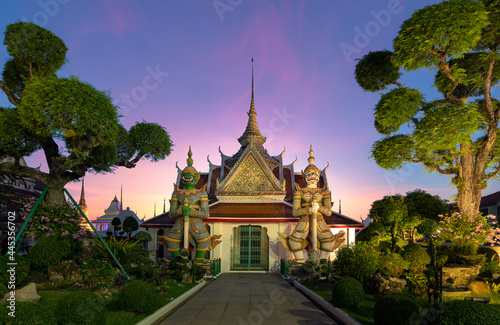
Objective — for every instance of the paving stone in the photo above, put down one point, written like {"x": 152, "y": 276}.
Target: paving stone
{"x": 249, "y": 298}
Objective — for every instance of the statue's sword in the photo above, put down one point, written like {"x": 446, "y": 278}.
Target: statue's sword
{"x": 314, "y": 229}
{"x": 186, "y": 228}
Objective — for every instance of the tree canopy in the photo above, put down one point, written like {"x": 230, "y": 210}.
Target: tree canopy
{"x": 392, "y": 214}
{"x": 400, "y": 216}
{"x": 76, "y": 125}
{"x": 455, "y": 134}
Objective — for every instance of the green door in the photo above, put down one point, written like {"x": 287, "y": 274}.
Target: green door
{"x": 249, "y": 248}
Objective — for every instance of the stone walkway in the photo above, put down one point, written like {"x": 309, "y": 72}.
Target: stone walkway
{"x": 248, "y": 298}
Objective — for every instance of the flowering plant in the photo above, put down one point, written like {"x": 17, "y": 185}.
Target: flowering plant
{"x": 463, "y": 233}
{"x": 61, "y": 220}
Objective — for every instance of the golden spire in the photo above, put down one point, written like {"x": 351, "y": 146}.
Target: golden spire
{"x": 82, "y": 195}
{"x": 252, "y": 102}
{"x": 252, "y": 133}
{"x": 189, "y": 160}
{"x": 311, "y": 160}
{"x": 83, "y": 207}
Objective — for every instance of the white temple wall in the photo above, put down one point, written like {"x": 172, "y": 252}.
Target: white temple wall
{"x": 223, "y": 250}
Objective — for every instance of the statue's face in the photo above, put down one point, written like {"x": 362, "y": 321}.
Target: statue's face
{"x": 188, "y": 180}
{"x": 311, "y": 177}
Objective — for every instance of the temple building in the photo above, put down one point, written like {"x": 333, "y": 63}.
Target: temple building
{"x": 103, "y": 223}
{"x": 250, "y": 195}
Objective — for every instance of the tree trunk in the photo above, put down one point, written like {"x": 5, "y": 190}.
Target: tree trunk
{"x": 55, "y": 196}
{"x": 470, "y": 187}
{"x": 394, "y": 240}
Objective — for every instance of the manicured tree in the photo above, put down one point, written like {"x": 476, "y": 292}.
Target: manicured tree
{"x": 425, "y": 206}
{"x": 144, "y": 237}
{"x": 75, "y": 125}
{"x": 422, "y": 206}
{"x": 116, "y": 223}
{"x": 390, "y": 212}
{"x": 130, "y": 225}
{"x": 434, "y": 274}
{"x": 456, "y": 134}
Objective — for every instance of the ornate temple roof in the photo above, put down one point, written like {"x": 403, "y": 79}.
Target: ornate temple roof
{"x": 251, "y": 180}
{"x": 252, "y": 135}
{"x": 114, "y": 207}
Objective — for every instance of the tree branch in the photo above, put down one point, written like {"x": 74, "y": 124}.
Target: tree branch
{"x": 131, "y": 163}
{"x": 445, "y": 68}
{"x": 493, "y": 173}
{"x": 10, "y": 95}
{"x": 24, "y": 171}
{"x": 486, "y": 78}
{"x": 438, "y": 168}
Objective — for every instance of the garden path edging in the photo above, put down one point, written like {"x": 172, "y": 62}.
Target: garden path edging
{"x": 335, "y": 313}
{"x": 158, "y": 316}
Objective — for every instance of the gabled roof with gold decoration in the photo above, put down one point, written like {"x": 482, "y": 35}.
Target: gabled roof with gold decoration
{"x": 250, "y": 180}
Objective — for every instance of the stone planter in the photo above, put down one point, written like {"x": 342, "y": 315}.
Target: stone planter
{"x": 461, "y": 275}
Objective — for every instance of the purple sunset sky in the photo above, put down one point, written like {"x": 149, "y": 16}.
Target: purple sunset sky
{"x": 186, "y": 65}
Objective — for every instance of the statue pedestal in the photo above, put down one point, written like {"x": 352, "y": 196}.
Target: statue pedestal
{"x": 313, "y": 256}
{"x": 296, "y": 270}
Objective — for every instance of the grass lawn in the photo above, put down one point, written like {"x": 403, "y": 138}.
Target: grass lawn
{"x": 364, "y": 314}
{"x": 494, "y": 298}
{"x": 50, "y": 298}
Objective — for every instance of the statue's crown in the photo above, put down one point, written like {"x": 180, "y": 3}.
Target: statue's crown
{"x": 311, "y": 166}
{"x": 189, "y": 168}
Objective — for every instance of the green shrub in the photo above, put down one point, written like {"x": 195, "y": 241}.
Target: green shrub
{"x": 137, "y": 262}
{"x": 386, "y": 245}
{"x": 22, "y": 270}
{"x": 488, "y": 269}
{"x": 415, "y": 255}
{"x": 392, "y": 264}
{"x": 26, "y": 313}
{"x": 49, "y": 251}
{"x": 347, "y": 293}
{"x": 98, "y": 274}
{"x": 143, "y": 236}
{"x": 463, "y": 312}
{"x": 358, "y": 261}
{"x": 81, "y": 307}
{"x": 138, "y": 296}
{"x": 3, "y": 291}
{"x": 118, "y": 246}
{"x": 395, "y": 310}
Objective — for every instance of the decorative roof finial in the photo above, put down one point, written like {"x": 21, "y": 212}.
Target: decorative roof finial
{"x": 311, "y": 161}
{"x": 189, "y": 168}
{"x": 311, "y": 158}
{"x": 252, "y": 133}
{"x": 190, "y": 160}
{"x": 252, "y": 103}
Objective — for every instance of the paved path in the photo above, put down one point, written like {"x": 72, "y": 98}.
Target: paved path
{"x": 248, "y": 298}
